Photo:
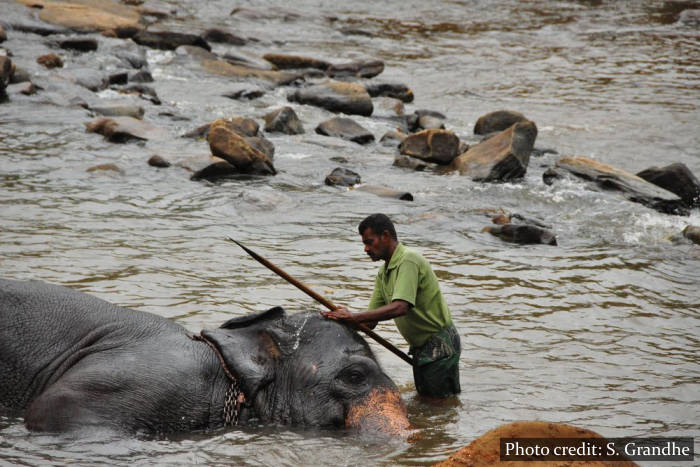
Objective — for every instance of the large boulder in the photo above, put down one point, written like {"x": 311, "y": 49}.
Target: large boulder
{"x": 676, "y": 178}
{"x": 486, "y": 449}
{"x": 283, "y": 120}
{"x": 124, "y": 129}
{"x": 633, "y": 187}
{"x": 336, "y": 96}
{"x": 524, "y": 234}
{"x": 440, "y": 146}
{"x": 503, "y": 157}
{"x": 497, "y": 121}
{"x": 345, "y": 128}
{"x": 227, "y": 144}
{"x": 6, "y": 69}
{"x": 89, "y": 15}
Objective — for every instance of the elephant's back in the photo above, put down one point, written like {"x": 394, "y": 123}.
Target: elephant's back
{"x": 45, "y": 327}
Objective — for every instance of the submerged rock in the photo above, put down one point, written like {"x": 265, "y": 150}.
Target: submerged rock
{"x": 227, "y": 144}
{"x": 123, "y": 129}
{"x": 119, "y": 110}
{"x": 342, "y": 177}
{"x": 522, "y": 233}
{"x": 222, "y": 36}
{"x": 408, "y": 162}
{"x": 392, "y": 138}
{"x": 291, "y": 62}
{"x": 397, "y": 91}
{"x": 336, "y": 96}
{"x": 385, "y": 192}
{"x": 245, "y": 91}
{"x": 158, "y": 161}
{"x": 503, "y": 157}
{"x": 81, "y": 44}
{"x": 169, "y": 40}
{"x": 283, "y": 120}
{"x": 633, "y": 187}
{"x": 440, "y": 146}
{"x": 215, "y": 171}
{"x": 50, "y": 61}
{"x": 676, "y": 178}
{"x": 359, "y": 69}
{"x": 692, "y": 233}
{"x": 497, "y": 121}
{"x": 345, "y": 128}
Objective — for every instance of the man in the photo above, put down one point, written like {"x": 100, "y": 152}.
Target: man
{"x": 406, "y": 290}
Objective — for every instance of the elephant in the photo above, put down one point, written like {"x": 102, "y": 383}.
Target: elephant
{"x": 69, "y": 361}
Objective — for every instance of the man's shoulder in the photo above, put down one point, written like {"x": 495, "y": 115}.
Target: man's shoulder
{"x": 413, "y": 256}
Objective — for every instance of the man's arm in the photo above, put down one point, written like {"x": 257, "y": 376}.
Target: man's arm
{"x": 385, "y": 312}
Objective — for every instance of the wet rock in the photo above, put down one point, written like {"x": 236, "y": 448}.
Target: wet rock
{"x": 20, "y": 75}
{"x": 397, "y": 91}
{"x": 141, "y": 76}
{"x": 387, "y": 107}
{"x": 50, "y": 61}
{"x": 224, "y": 68}
{"x": 241, "y": 125}
{"x": 676, "y": 178}
{"x": 233, "y": 148}
{"x": 3, "y": 36}
{"x": 392, "y": 138}
{"x": 503, "y": 157}
{"x": 514, "y": 218}
{"x": 26, "y": 88}
{"x": 124, "y": 129}
{"x": 497, "y": 121}
{"x": 408, "y": 162}
{"x": 169, "y": 40}
{"x": 424, "y": 120}
{"x": 349, "y": 98}
{"x": 342, "y": 177}
{"x": 552, "y": 174}
{"x": 200, "y": 132}
{"x": 119, "y": 78}
{"x": 119, "y": 110}
{"x": 109, "y": 167}
{"x": 692, "y": 233}
{"x": 522, "y": 233}
{"x": 262, "y": 144}
{"x": 216, "y": 171}
{"x": 690, "y": 17}
{"x": 385, "y": 192}
{"x": 247, "y": 59}
{"x": 359, "y": 69}
{"x": 291, "y": 62}
{"x": 428, "y": 122}
{"x": 440, "y": 146}
{"x": 345, "y": 128}
{"x": 222, "y": 36}
{"x": 158, "y": 161}
{"x": 93, "y": 16}
{"x": 283, "y": 120}
{"x": 88, "y": 78}
{"x": 6, "y": 69}
{"x": 633, "y": 187}
{"x": 245, "y": 91}
{"x": 81, "y": 44}
{"x": 144, "y": 92}
{"x": 131, "y": 55}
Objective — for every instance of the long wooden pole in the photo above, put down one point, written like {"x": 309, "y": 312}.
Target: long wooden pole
{"x": 322, "y": 300}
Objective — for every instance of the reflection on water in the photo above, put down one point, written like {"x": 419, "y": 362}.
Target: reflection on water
{"x": 600, "y": 332}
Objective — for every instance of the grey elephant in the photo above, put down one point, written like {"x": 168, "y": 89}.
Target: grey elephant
{"x": 69, "y": 360}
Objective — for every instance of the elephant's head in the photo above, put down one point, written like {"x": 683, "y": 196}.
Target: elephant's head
{"x": 309, "y": 371}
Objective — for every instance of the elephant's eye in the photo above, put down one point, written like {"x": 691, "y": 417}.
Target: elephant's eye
{"x": 354, "y": 377}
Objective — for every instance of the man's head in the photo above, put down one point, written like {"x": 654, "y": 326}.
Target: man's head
{"x": 379, "y": 236}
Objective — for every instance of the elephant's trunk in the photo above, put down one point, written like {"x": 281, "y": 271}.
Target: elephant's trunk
{"x": 381, "y": 411}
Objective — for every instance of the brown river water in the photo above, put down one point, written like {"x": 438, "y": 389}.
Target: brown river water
{"x": 601, "y": 331}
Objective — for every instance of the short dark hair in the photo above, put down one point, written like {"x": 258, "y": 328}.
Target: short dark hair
{"x": 378, "y": 223}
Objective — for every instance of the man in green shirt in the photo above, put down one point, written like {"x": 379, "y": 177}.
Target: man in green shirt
{"x": 406, "y": 290}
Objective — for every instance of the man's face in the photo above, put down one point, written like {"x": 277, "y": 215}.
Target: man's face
{"x": 376, "y": 246}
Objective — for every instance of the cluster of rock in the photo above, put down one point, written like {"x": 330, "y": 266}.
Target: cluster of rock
{"x": 237, "y": 145}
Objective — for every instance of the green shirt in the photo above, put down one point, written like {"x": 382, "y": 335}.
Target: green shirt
{"x": 409, "y": 277}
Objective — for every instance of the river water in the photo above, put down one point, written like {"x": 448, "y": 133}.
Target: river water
{"x": 601, "y": 331}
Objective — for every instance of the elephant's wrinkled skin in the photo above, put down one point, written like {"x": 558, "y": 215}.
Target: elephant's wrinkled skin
{"x": 70, "y": 360}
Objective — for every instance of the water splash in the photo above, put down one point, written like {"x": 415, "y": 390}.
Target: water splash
{"x": 298, "y": 333}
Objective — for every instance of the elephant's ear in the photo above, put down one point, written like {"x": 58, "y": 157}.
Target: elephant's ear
{"x": 249, "y": 350}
